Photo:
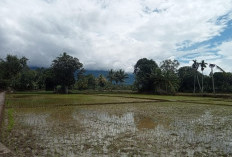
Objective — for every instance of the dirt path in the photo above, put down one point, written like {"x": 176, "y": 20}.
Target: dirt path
{"x": 4, "y": 151}
{"x": 2, "y": 101}
{"x": 2, "y": 97}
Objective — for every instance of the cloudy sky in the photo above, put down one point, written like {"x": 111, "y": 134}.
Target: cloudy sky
{"x": 106, "y": 34}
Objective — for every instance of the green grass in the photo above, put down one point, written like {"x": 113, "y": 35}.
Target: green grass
{"x": 189, "y": 99}
{"x": 10, "y": 119}
{"x": 46, "y": 100}
{"x": 165, "y": 97}
{"x": 49, "y": 99}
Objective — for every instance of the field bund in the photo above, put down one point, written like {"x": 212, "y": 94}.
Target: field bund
{"x": 2, "y": 102}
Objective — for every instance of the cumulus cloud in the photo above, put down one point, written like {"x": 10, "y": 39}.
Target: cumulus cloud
{"x": 106, "y": 34}
{"x": 226, "y": 60}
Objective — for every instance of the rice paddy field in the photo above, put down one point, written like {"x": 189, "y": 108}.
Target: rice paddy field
{"x": 116, "y": 125}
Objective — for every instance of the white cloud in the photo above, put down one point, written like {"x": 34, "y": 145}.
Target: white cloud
{"x": 225, "y": 49}
{"x": 106, "y": 34}
{"x": 226, "y": 61}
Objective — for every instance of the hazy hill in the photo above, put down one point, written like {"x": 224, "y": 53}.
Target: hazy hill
{"x": 96, "y": 73}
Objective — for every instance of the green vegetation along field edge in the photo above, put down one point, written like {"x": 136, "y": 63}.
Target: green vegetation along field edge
{"x": 67, "y": 73}
{"x": 46, "y": 100}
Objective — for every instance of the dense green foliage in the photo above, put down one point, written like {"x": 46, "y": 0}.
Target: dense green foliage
{"x": 66, "y": 72}
{"x": 101, "y": 81}
{"x": 169, "y": 71}
{"x": 223, "y": 82}
{"x": 86, "y": 82}
{"x": 64, "y": 68}
{"x": 152, "y": 78}
{"x": 186, "y": 75}
{"x": 117, "y": 76}
{"x": 11, "y": 68}
{"x": 143, "y": 78}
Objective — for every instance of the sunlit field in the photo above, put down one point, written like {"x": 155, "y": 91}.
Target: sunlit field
{"x": 117, "y": 125}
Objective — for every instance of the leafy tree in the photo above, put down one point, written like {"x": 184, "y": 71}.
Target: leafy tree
{"x": 3, "y": 81}
{"x": 223, "y": 81}
{"x": 64, "y": 68}
{"x": 111, "y": 75}
{"x": 207, "y": 83}
{"x": 40, "y": 77}
{"x": 49, "y": 79}
{"x": 86, "y": 82}
{"x": 101, "y": 81}
{"x": 143, "y": 69}
{"x": 10, "y": 69}
{"x": 14, "y": 65}
{"x": 158, "y": 80}
{"x": 170, "y": 65}
{"x": 203, "y": 66}
{"x": 25, "y": 80}
{"x": 186, "y": 75}
{"x": 91, "y": 81}
{"x": 82, "y": 83}
{"x": 169, "y": 70}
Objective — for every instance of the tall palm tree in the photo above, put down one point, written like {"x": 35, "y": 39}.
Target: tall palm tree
{"x": 203, "y": 66}
{"x": 111, "y": 75}
{"x": 195, "y": 66}
{"x": 121, "y": 76}
{"x": 212, "y": 66}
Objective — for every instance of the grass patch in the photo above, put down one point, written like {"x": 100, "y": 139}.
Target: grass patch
{"x": 46, "y": 100}
{"x": 187, "y": 99}
{"x": 10, "y": 119}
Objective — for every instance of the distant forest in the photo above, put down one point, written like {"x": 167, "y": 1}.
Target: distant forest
{"x": 67, "y": 73}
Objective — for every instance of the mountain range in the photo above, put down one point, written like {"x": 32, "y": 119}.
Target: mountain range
{"x": 129, "y": 81}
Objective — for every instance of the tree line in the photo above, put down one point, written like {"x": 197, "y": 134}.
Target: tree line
{"x": 169, "y": 79}
{"x": 66, "y": 72}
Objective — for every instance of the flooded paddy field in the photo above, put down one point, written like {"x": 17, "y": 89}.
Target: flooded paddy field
{"x": 116, "y": 125}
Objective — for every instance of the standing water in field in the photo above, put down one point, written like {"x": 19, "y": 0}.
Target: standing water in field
{"x": 160, "y": 129}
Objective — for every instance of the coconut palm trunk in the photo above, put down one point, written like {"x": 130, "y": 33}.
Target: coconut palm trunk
{"x": 213, "y": 84}
{"x": 195, "y": 66}
{"x": 202, "y": 82}
{"x": 198, "y": 82}
{"x": 212, "y": 67}
{"x": 203, "y": 66}
{"x": 211, "y": 74}
{"x": 194, "y": 86}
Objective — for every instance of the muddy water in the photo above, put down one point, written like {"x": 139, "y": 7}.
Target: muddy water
{"x": 121, "y": 130}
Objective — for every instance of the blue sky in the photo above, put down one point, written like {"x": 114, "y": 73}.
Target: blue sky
{"x": 107, "y": 34}
{"x": 211, "y": 45}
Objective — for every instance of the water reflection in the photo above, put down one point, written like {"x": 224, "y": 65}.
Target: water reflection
{"x": 109, "y": 125}
{"x": 85, "y": 132}
{"x": 146, "y": 123}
